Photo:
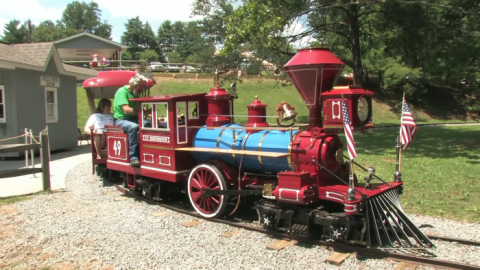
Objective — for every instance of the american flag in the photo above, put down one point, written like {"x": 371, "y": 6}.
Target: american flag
{"x": 352, "y": 152}
{"x": 408, "y": 128}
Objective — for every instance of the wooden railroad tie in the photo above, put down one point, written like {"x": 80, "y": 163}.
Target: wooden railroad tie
{"x": 406, "y": 266}
{"x": 337, "y": 258}
{"x": 121, "y": 198}
{"x": 191, "y": 223}
{"x": 281, "y": 244}
{"x": 158, "y": 214}
{"x": 229, "y": 234}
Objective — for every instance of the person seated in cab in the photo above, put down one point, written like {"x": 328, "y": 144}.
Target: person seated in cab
{"x": 126, "y": 113}
{"x": 97, "y": 122}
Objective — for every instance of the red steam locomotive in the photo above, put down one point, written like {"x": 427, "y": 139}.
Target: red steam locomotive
{"x": 297, "y": 180}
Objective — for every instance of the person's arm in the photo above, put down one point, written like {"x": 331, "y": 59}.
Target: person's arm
{"x": 129, "y": 110}
{"x": 122, "y": 99}
{"x": 89, "y": 124}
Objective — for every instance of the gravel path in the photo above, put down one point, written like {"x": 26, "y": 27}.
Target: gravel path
{"x": 92, "y": 226}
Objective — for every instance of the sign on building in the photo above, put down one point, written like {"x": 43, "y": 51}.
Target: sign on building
{"x": 50, "y": 81}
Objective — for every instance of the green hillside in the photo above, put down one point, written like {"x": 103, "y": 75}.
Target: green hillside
{"x": 383, "y": 113}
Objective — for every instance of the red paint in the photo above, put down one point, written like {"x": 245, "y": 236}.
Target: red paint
{"x": 314, "y": 71}
{"x": 257, "y": 112}
{"x": 332, "y": 106}
{"x": 295, "y": 188}
{"x": 112, "y": 78}
{"x": 218, "y": 107}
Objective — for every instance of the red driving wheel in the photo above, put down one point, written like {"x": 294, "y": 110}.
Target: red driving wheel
{"x": 206, "y": 176}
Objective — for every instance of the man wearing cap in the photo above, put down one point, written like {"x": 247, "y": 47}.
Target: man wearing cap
{"x": 126, "y": 113}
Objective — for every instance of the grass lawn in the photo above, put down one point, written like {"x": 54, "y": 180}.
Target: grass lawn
{"x": 267, "y": 92}
{"x": 440, "y": 169}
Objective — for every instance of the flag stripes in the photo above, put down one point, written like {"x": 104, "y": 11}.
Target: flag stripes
{"x": 408, "y": 127}
{"x": 352, "y": 152}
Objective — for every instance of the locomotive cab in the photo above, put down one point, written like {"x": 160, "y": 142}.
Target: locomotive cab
{"x": 160, "y": 133}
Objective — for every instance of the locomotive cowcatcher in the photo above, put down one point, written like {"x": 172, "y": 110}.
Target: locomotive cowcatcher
{"x": 297, "y": 180}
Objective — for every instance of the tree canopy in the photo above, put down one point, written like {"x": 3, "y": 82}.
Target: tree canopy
{"x": 76, "y": 18}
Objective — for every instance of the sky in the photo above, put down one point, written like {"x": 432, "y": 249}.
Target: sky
{"x": 116, "y": 12}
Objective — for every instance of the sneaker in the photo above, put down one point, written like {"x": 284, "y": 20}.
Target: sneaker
{"x": 135, "y": 163}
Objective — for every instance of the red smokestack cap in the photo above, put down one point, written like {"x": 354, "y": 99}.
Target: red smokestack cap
{"x": 313, "y": 71}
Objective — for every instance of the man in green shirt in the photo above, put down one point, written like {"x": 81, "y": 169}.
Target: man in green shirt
{"x": 126, "y": 113}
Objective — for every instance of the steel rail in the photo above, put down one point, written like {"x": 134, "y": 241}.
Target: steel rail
{"x": 451, "y": 239}
{"x": 366, "y": 252}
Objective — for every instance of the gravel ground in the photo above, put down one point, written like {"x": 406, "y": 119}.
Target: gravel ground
{"x": 92, "y": 226}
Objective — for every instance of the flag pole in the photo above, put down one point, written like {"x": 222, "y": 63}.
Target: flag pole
{"x": 351, "y": 189}
{"x": 398, "y": 174}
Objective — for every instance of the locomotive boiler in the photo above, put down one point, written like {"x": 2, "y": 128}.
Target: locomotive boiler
{"x": 297, "y": 180}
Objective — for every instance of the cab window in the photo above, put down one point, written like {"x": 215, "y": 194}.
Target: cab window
{"x": 193, "y": 110}
{"x": 157, "y": 118}
{"x": 162, "y": 115}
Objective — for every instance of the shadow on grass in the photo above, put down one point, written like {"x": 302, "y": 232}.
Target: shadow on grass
{"x": 434, "y": 142}
{"x": 438, "y": 102}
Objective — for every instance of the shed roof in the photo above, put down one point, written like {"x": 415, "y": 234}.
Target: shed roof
{"x": 35, "y": 56}
{"x": 82, "y": 46}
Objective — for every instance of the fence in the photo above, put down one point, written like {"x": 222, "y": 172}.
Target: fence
{"x": 43, "y": 145}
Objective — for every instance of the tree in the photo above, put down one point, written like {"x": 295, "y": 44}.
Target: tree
{"x": 86, "y": 17}
{"x": 140, "y": 37}
{"x": 174, "y": 57}
{"x": 149, "y": 55}
{"x": 47, "y": 31}
{"x": 13, "y": 32}
{"x": 165, "y": 36}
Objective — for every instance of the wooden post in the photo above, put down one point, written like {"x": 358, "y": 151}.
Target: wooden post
{"x": 32, "y": 152}
{"x": 45, "y": 161}
{"x": 26, "y": 151}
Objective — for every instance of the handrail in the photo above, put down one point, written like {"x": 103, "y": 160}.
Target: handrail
{"x": 249, "y": 128}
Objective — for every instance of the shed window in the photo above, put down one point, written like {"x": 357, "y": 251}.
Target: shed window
{"x": 51, "y": 104}
{"x": 2, "y": 104}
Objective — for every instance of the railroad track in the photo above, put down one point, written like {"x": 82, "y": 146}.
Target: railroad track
{"x": 371, "y": 253}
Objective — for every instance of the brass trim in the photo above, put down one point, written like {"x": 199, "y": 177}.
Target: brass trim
{"x": 218, "y": 141}
{"x": 157, "y": 147}
{"x": 260, "y": 148}
{"x": 333, "y": 126}
{"x": 233, "y": 146}
{"x": 296, "y": 127}
{"x": 289, "y": 156}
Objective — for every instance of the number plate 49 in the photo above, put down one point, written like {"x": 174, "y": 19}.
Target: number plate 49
{"x": 117, "y": 148}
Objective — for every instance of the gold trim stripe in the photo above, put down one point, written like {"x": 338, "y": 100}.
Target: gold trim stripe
{"x": 157, "y": 147}
{"x": 289, "y": 157}
{"x": 218, "y": 141}
{"x": 233, "y": 147}
{"x": 260, "y": 148}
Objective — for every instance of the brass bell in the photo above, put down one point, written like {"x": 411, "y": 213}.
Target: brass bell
{"x": 289, "y": 112}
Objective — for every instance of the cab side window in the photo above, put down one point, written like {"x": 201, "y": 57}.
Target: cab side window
{"x": 158, "y": 118}
{"x": 162, "y": 115}
{"x": 193, "y": 110}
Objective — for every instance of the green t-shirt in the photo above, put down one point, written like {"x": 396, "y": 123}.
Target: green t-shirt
{"x": 121, "y": 98}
